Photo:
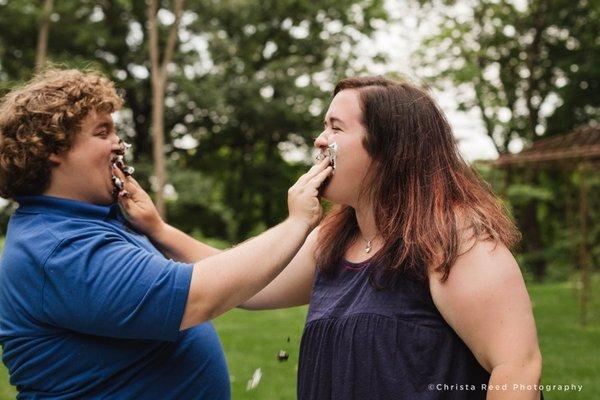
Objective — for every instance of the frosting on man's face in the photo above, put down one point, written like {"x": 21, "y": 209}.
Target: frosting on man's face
{"x": 118, "y": 160}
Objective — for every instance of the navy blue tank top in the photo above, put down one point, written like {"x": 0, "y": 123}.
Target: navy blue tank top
{"x": 363, "y": 343}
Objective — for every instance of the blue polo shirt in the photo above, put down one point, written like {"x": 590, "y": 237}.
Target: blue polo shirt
{"x": 89, "y": 308}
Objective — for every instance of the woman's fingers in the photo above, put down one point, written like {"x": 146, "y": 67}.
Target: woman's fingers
{"x": 126, "y": 197}
{"x": 131, "y": 179}
{"x": 130, "y": 184}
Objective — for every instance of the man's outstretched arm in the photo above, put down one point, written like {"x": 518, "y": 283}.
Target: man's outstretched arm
{"x": 224, "y": 280}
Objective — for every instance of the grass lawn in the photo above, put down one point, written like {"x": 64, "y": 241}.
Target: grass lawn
{"x": 571, "y": 353}
{"x": 252, "y": 340}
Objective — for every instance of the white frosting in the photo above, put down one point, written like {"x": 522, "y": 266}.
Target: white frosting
{"x": 332, "y": 150}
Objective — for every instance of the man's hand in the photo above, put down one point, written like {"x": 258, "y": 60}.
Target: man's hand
{"x": 137, "y": 206}
{"x": 303, "y": 196}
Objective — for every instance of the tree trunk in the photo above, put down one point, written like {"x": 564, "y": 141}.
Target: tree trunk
{"x": 570, "y": 218}
{"x": 42, "y": 43}
{"x": 583, "y": 247}
{"x": 142, "y": 121}
{"x": 158, "y": 114}
{"x": 531, "y": 231}
{"x": 159, "y": 83}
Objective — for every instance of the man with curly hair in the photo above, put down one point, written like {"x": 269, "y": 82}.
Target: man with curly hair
{"x": 90, "y": 305}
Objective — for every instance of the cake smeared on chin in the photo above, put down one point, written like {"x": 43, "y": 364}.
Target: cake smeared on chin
{"x": 332, "y": 152}
{"x": 118, "y": 160}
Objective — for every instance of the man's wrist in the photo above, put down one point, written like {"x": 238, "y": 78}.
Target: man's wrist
{"x": 299, "y": 223}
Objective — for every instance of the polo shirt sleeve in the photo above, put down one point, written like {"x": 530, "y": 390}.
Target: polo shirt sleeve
{"x": 100, "y": 284}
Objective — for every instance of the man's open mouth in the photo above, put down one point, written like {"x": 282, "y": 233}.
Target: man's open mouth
{"x": 118, "y": 160}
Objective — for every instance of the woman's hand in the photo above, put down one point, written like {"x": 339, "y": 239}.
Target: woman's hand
{"x": 137, "y": 206}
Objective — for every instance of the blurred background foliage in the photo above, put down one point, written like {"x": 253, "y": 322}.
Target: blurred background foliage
{"x": 250, "y": 81}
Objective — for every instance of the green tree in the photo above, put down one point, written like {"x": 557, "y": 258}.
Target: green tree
{"x": 247, "y": 86}
{"x": 518, "y": 65}
{"x": 274, "y": 63}
{"x": 531, "y": 69}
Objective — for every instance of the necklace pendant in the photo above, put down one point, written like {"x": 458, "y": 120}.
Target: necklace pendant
{"x": 368, "y": 247}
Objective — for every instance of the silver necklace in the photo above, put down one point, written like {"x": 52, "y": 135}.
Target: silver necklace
{"x": 368, "y": 243}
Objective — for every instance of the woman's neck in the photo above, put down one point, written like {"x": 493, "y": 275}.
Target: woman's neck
{"x": 366, "y": 222}
{"x": 368, "y": 241}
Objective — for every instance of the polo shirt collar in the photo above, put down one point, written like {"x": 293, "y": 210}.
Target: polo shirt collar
{"x": 68, "y": 207}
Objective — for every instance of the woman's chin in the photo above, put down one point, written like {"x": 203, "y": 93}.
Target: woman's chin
{"x": 325, "y": 189}
{"x": 329, "y": 193}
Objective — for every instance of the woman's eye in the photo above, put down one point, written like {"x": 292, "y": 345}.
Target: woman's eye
{"x": 335, "y": 128}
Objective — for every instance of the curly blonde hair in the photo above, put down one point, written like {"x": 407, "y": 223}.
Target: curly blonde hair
{"x": 42, "y": 118}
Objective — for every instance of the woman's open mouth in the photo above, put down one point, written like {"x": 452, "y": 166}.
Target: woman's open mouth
{"x": 332, "y": 151}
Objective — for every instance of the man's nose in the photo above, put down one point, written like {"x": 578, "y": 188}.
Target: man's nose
{"x": 116, "y": 144}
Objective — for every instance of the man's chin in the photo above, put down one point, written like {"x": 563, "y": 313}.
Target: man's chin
{"x": 107, "y": 197}
{"x": 106, "y": 201}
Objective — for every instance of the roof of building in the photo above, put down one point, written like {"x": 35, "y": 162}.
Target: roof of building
{"x": 582, "y": 144}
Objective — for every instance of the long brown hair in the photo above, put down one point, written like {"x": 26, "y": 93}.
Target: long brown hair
{"x": 425, "y": 197}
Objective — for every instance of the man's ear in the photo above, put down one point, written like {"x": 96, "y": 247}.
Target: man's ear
{"x": 54, "y": 159}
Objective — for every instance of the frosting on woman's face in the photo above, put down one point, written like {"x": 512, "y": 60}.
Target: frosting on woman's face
{"x": 332, "y": 151}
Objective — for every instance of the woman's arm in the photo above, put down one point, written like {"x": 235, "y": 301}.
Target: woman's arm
{"x": 232, "y": 277}
{"x": 293, "y": 285}
{"x": 486, "y": 302}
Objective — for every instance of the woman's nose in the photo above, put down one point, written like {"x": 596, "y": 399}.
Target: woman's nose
{"x": 321, "y": 140}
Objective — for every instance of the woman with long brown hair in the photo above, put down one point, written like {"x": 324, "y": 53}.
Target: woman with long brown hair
{"x": 413, "y": 292}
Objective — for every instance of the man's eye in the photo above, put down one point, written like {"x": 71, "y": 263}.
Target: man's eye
{"x": 335, "y": 128}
